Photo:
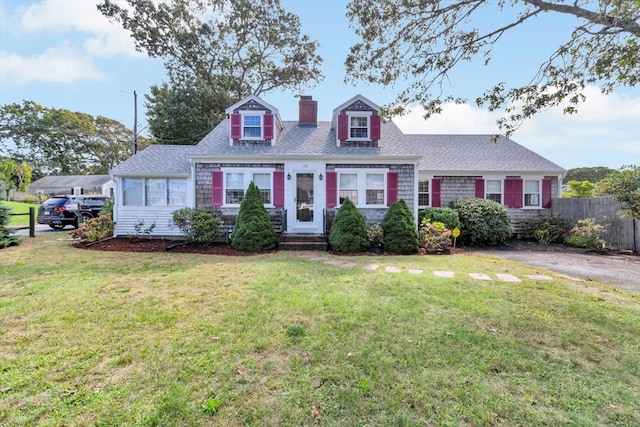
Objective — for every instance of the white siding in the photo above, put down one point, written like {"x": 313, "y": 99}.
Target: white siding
{"x": 129, "y": 216}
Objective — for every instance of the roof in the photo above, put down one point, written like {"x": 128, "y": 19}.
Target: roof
{"x": 70, "y": 181}
{"x": 158, "y": 160}
{"x": 476, "y": 154}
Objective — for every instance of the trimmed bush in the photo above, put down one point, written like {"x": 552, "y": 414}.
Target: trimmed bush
{"x": 94, "y": 229}
{"x": 547, "y": 229}
{"x": 433, "y": 237}
{"x": 199, "y": 226}
{"x": 447, "y": 216}
{"x": 348, "y": 233}
{"x": 6, "y": 235}
{"x": 483, "y": 222}
{"x": 586, "y": 234}
{"x": 400, "y": 231}
{"x": 254, "y": 229}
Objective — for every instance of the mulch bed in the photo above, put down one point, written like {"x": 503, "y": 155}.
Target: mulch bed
{"x": 160, "y": 245}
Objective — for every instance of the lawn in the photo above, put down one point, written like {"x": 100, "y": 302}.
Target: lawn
{"x": 169, "y": 339}
{"x": 19, "y": 208}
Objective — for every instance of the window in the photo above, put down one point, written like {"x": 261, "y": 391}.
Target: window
{"x": 263, "y": 182}
{"x": 532, "y": 193}
{"x": 348, "y": 187}
{"x": 358, "y": 127}
{"x": 251, "y": 126}
{"x": 494, "y": 190}
{"x": 423, "y": 193}
{"x": 235, "y": 187}
{"x": 154, "y": 192}
{"x": 375, "y": 189}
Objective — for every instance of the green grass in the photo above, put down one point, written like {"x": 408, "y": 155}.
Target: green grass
{"x": 19, "y": 208}
{"x": 106, "y": 338}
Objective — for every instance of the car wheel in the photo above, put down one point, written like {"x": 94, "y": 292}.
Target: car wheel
{"x": 81, "y": 219}
{"x": 57, "y": 226}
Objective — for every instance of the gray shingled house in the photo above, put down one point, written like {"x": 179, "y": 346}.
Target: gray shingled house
{"x": 73, "y": 184}
{"x": 306, "y": 168}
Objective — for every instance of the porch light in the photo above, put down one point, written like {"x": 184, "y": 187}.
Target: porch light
{"x": 289, "y": 176}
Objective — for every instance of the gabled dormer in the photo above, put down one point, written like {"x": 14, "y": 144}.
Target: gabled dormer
{"x": 357, "y": 123}
{"x": 254, "y": 122}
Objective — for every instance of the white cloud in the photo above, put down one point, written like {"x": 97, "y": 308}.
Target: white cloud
{"x": 61, "y": 64}
{"x": 606, "y": 130}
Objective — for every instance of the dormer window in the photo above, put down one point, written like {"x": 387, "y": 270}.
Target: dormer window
{"x": 251, "y": 126}
{"x": 359, "y": 127}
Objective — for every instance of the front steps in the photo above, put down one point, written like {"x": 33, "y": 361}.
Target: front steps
{"x": 303, "y": 242}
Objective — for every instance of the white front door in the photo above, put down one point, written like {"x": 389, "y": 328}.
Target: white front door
{"x": 305, "y": 199}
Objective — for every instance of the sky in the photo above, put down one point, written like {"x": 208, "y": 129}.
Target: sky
{"x": 65, "y": 54}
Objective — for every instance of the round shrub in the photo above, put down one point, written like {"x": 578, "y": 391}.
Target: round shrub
{"x": 447, "y": 216}
{"x": 547, "y": 229}
{"x": 348, "y": 233}
{"x": 586, "y": 234}
{"x": 199, "y": 226}
{"x": 483, "y": 222}
{"x": 434, "y": 237}
{"x": 254, "y": 229}
{"x": 400, "y": 231}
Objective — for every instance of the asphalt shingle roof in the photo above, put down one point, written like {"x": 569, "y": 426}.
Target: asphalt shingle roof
{"x": 70, "y": 181}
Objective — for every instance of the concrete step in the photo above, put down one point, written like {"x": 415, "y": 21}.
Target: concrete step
{"x": 303, "y": 242}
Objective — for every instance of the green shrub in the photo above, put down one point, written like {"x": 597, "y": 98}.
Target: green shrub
{"x": 6, "y": 234}
{"x": 94, "y": 229}
{"x": 447, "y": 216}
{"x": 586, "y": 234}
{"x": 199, "y": 226}
{"x": 434, "y": 237}
{"x": 107, "y": 208}
{"x": 29, "y": 198}
{"x": 547, "y": 229}
{"x": 348, "y": 233}
{"x": 375, "y": 236}
{"x": 254, "y": 229}
{"x": 400, "y": 231}
{"x": 483, "y": 222}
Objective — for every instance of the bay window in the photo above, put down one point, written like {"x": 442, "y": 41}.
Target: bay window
{"x": 154, "y": 192}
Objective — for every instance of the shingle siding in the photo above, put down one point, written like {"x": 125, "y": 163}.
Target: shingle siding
{"x": 456, "y": 187}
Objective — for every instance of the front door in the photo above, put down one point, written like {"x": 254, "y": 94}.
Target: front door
{"x": 306, "y": 200}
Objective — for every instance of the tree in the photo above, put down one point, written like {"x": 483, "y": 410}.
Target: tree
{"x": 7, "y": 237}
{"x": 110, "y": 145}
{"x": 348, "y": 233}
{"x": 254, "y": 229}
{"x": 624, "y": 185}
{"x": 423, "y": 41}
{"x": 400, "y": 230}
{"x": 579, "y": 189}
{"x": 252, "y": 46}
{"x": 182, "y": 112}
{"x": 592, "y": 174}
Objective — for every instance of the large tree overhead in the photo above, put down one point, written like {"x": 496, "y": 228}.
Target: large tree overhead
{"x": 421, "y": 42}
{"x": 255, "y": 45}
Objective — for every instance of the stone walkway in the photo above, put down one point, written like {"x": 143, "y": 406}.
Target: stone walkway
{"x": 314, "y": 256}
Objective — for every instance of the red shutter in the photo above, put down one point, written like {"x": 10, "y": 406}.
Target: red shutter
{"x": 278, "y": 188}
{"x": 217, "y": 193}
{"x": 236, "y": 126}
{"x": 392, "y": 188}
{"x": 546, "y": 193}
{"x": 513, "y": 193}
{"x": 332, "y": 189}
{"x": 343, "y": 127}
{"x": 435, "y": 193}
{"x": 375, "y": 127}
{"x": 268, "y": 126}
{"x": 480, "y": 188}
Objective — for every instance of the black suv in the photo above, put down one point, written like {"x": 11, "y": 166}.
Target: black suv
{"x": 59, "y": 211}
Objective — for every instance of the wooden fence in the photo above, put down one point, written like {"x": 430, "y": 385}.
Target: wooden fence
{"x": 621, "y": 233}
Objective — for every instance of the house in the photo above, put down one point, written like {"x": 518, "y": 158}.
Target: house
{"x": 306, "y": 168}
{"x": 73, "y": 184}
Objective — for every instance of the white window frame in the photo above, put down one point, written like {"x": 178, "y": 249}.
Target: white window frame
{"x": 428, "y": 193}
{"x": 251, "y": 113}
{"x": 359, "y": 114}
{"x": 167, "y": 198}
{"x": 247, "y": 178}
{"x": 486, "y": 189}
{"x": 525, "y": 193}
{"x": 362, "y": 186}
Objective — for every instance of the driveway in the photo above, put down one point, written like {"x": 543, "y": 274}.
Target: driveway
{"x": 618, "y": 270}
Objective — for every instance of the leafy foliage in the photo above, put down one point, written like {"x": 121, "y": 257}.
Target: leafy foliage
{"x": 547, "y": 229}
{"x": 254, "y": 228}
{"x": 624, "y": 185}
{"x": 483, "y": 222}
{"x": 199, "y": 226}
{"x": 15, "y": 174}
{"x": 447, "y": 216}
{"x": 423, "y": 42}
{"x": 140, "y": 231}
{"x": 94, "y": 229}
{"x": 7, "y": 238}
{"x": 592, "y": 174}
{"x": 586, "y": 234}
{"x": 435, "y": 237}
{"x": 400, "y": 231}
{"x": 348, "y": 232}
{"x": 375, "y": 235}
{"x": 579, "y": 189}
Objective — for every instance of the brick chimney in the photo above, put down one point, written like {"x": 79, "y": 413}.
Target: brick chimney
{"x": 308, "y": 109}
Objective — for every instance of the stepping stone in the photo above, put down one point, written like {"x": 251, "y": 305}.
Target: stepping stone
{"x": 508, "y": 278}
{"x": 444, "y": 273}
{"x": 480, "y": 276}
{"x": 371, "y": 267}
{"x": 392, "y": 270}
{"x": 414, "y": 271}
{"x": 538, "y": 277}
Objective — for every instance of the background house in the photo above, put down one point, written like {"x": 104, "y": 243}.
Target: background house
{"x": 73, "y": 184}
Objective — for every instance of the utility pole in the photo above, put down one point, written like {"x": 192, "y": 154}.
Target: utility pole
{"x": 135, "y": 122}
